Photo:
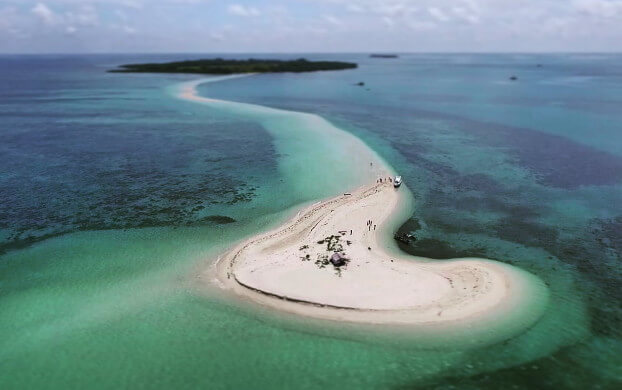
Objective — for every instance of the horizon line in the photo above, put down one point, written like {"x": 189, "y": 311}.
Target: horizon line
{"x": 305, "y": 52}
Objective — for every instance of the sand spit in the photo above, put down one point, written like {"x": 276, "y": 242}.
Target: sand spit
{"x": 290, "y": 269}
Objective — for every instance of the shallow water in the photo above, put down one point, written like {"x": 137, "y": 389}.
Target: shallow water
{"x": 136, "y": 188}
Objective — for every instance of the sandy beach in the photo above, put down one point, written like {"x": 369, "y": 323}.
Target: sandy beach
{"x": 289, "y": 269}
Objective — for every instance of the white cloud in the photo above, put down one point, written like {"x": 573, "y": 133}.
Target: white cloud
{"x": 84, "y": 16}
{"x": 294, "y": 25}
{"x": 599, "y": 8}
{"x": 8, "y": 19}
{"x": 438, "y": 14}
{"x": 217, "y": 36}
{"x": 388, "y": 21}
{"x": 555, "y": 25}
{"x": 242, "y": 10}
{"x": 44, "y": 13}
{"x": 332, "y": 20}
{"x": 466, "y": 15}
{"x": 355, "y": 8}
{"x": 121, "y": 15}
{"x": 422, "y": 26}
{"x": 390, "y": 9}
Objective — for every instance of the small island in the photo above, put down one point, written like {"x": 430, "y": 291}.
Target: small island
{"x": 383, "y": 55}
{"x": 224, "y": 66}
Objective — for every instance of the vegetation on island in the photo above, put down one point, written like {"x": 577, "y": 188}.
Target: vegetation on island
{"x": 223, "y": 66}
{"x": 334, "y": 255}
{"x": 383, "y": 55}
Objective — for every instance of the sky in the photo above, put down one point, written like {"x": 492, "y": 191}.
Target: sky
{"x": 254, "y": 26}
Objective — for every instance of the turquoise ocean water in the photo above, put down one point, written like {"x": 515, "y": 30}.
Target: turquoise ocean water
{"x": 114, "y": 193}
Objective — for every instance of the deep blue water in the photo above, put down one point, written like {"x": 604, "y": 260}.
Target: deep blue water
{"x": 529, "y": 171}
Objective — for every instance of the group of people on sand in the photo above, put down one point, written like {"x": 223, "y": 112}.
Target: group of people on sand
{"x": 369, "y": 225}
{"x": 384, "y": 180}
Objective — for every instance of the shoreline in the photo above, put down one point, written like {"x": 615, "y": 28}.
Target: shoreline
{"x": 380, "y": 285}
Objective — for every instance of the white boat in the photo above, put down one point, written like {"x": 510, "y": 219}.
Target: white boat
{"x": 397, "y": 181}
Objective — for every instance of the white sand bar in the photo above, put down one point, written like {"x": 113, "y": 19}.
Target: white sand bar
{"x": 286, "y": 269}
{"x": 375, "y": 286}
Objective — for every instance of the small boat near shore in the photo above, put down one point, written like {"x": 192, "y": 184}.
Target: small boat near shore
{"x": 397, "y": 181}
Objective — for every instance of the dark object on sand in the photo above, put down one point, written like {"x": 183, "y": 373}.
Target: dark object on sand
{"x": 337, "y": 259}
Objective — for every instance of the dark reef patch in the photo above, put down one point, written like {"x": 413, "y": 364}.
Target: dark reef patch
{"x": 438, "y": 249}
{"x": 542, "y": 373}
{"x": 528, "y": 233}
{"x": 556, "y": 161}
{"x": 66, "y": 178}
{"x": 217, "y": 219}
